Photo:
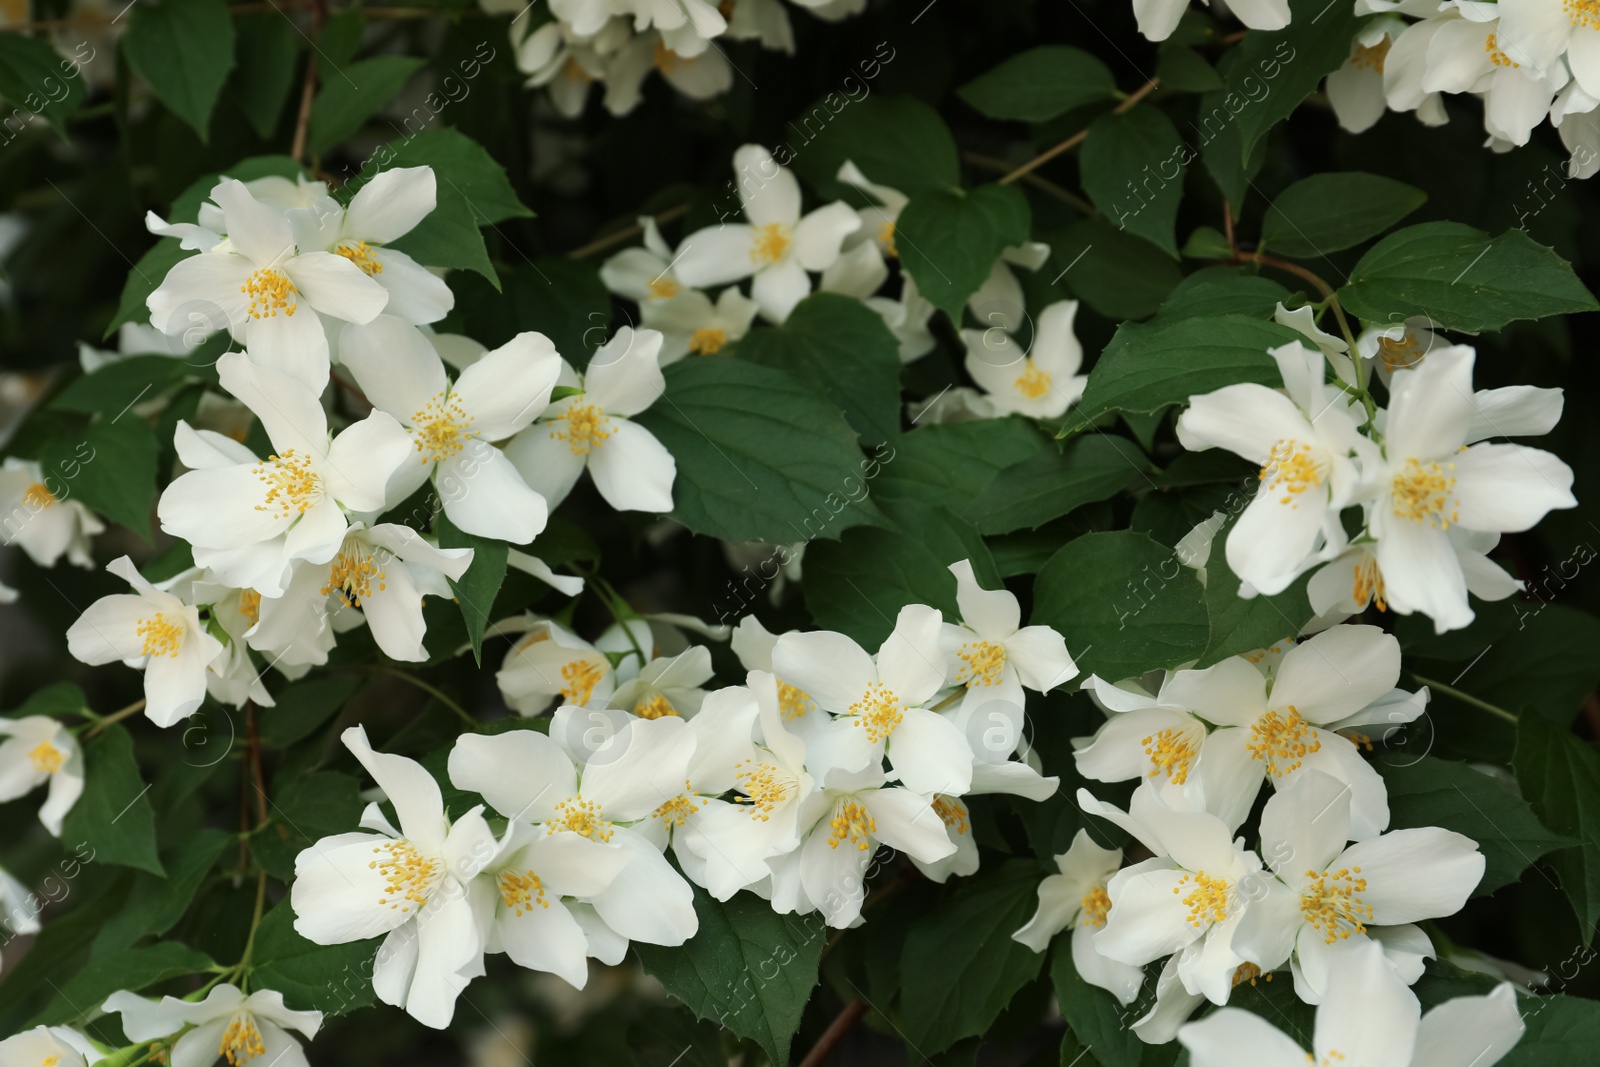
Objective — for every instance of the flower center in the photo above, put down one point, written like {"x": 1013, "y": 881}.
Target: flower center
{"x": 250, "y": 604}
{"x": 985, "y": 661}
{"x": 763, "y": 786}
{"x": 360, "y": 253}
{"x": 851, "y": 822}
{"x": 578, "y": 679}
{"x": 1371, "y": 56}
{"x": 665, "y": 59}
{"x": 1171, "y": 752}
{"x": 657, "y": 707}
{"x": 1207, "y": 901}
{"x": 1330, "y": 904}
{"x": 1095, "y": 905}
{"x": 292, "y": 486}
{"x": 1368, "y": 586}
{"x": 241, "y": 1041}
{"x": 770, "y": 243}
{"x": 1423, "y": 492}
{"x": 1491, "y": 44}
{"x": 707, "y": 340}
{"x": 38, "y": 495}
{"x": 1584, "y": 13}
{"x": 886, "y": 239}
{"x": 1249, "y": 972}
{"x": 878, "y": 711}
{"x": 350, "y": 575}
{"x": 664, "y": 288}
{"x": 676, "y": 811}
{"x": 793, "y": 702}
{"x": 574, "y": 71}
{"x": 1291, "y": 468}
{"x": 581, "y": 817}
{"x": 1033, "y": 382}
{"x": 441, "y": 429}
{"x": 162, "y": 636}
{"x": 270, "y": 291}
{"x": 520, "y": 892}
{"x": 1282, "y": 742}
{"x": 952, "y": 811}
{"x": 46, "y": 758}
{"x": 408, "y": 875}
{"x": 586, "y": 428}
{"x": 1400, "y": 353}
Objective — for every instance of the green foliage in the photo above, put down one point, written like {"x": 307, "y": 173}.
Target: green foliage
{"x": 1133, "y": 166}
{"x": 1039, "y": 84}
{"x": 1331, "y": 212}
{"x": 114, "y": 817}
{"x": 950, "y": 239}
{"x": 1560, "y": 776}
{"x": 478, "y": 587}
{"x": 184, "y": 50}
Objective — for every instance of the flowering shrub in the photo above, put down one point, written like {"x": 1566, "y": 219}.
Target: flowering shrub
{"x": 903, "y": 536}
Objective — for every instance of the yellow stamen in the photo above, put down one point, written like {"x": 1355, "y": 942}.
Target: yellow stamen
{"x": 676, "y": 811}
{"x": 878, "y": 712}
{"x": 586, "y": 428}
{"x": 162, "y": 636}
{"x": 952, "y": 811}
{"x": 1282, "y": 742}
{"x": 579, "y": 677}
{"x": 351, "y": 574}
{"x": 793, "y": 702}
{"x": 38, "y": 495}
{"x": 360, "y": 253}
{"x": 707, "y": 340}
{"x": 575, "y": 72}
{"x": 1291, "y": 468}
{"x": 292, "y": 486}
{"x": 270, "y": 291}
{"x": 1249, "y": 972}
{"x": 770, "y": 243}
{"x": 851, "y": 822}
{"x": 763, "y": 786}
{"x": 250, "y": 604}
{"x": 1371, "y": 56}
{"x": 1330, "y": 904}
{"x": 1033, "y": 382}
{"x": 1207, "y": 901}
{"x": 441, "y": 429}
{"x": 408, "y": 875}
{"x": 886, "y": 239}
{"x": 984, "y": 661}
{"x": 1400, "y": 353}
{"x": 521, "y": 892}
{"x": 1368, "y": 586}
{"x": 657, "y": 707}
{"x": 1171, "y": 752}
{"x": 1096, "y": 906}
{"x": 1491, "y": 45}
{"x": 241, "y": 1041}
{"x": 665, "y": 59}
{"x": 581, "y": 817}
{"x": 663, "y": 288}
{"x": 46, "y": 758}
{"x": 1425, "y": 493}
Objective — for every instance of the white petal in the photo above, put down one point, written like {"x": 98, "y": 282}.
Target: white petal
{"x": 410, "y": 788}
{"x": 1230, "y": 1036}
{"x": 510, "y": 386}
{"x": 929, "y": 754}
{"x": 522, "y": 774}
{"x": 648, "y": 901}
{"x": 1422, "y": 873}
{"x": 391, "y": 204}
{"x": 907, "y": 822}
{"x": 779, "y": 288}
{"x": 1476, "y": 1031}
{"x": 1367, "y": 1016}
{"x": 910, "y": 663}
{"x": 484, "y": 494}
{"x": 1337, "y": 673}
{"x": 819, "y": 235}
{"x": 394, "y": 363}
{"x": 362, "y": 459}
{"x": 1509, "y": 488}
{"x": 257, "y": 231}
{"x": 336, "y": 891}
{"x": 829, "y": 667}
{"x": 716, "y": 255}
{"x": 288, "y": 408}
{"x": 768, "y": 191}
{"x": 337, "y": 287}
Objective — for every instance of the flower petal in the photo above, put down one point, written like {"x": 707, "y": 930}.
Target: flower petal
{"x": 633, "y": 470}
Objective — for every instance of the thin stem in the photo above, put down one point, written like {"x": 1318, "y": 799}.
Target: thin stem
{"x": 1044, "y": 185}
{"x": 841, "y": 1025}
{"x": 1322, "y": 287}
{"x": 116, "y": 716}
{"x": 1076, "y": 139}
{"x": 600, "y": 244}
{"x": 1466, "y": 698}
{"x": 308, "y": 89}
{"x": 253, "y": 742}
{"x": 243, "y": 967}
{"x": 432, "y": 690}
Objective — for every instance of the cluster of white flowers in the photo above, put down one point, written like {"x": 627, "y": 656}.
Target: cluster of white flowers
{"x": 1326, "y": 878}
{"x": 1435, "y": 496}
{"x": 779, "y": 248}
{"x": 785, "y": 786}
{"x": 618, "y": 43}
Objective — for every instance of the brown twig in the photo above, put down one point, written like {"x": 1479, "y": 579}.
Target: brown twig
{"x": 253, "y": 741}
{"x": 1076, "y": 139}
{"x": 600, "y": 244}
{"x": 1044, "y": 185}
{"x": 847, "y": 1017}
{"x": 308, "y": 89}
{"x": 116, "y": 716}
{"x": 1322, "y": 287}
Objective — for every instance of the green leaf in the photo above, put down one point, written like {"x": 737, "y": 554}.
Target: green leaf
{"x": 898, "y": 141}
{"x": 1124, "y": 604}
{"x": 747, "y": 968}
{"x": 1436, "y": 792}
{"x": 1333, "y": 211}
{"x": 304, "y": 706}
{"x": 450, "y": 237}
{"x": 478, "y": 587}
{"x": 114, "y": 816}
{"x": 949, "y": 240}
{"x": 267, "y": 51}
{"x": 1133, "y": 166}
{"x": 1239, "y": 625}
{"x": 1117, "y": 274}
{"x": 1560, "y": 776}
{"x": 145, "y": 277}
{"x": 154, "y": 905}
{"x": 1186, "y": 70}
{"x": 960, "y": 967}
{"x": 1561, "y": 1030}
{"x": 1223, "y": 291}
{"x": 132, "y": 969}
{"x": 1098, "y": 1022}
{"x": 1149, "y": 366}
{"x": 303, "y": 810}
{"x": 34, "y": 77}
{"x": 352, "y": 95}
{"x": 1039, "y": 84}
{"x": 1047, "y": 486}
{"x": 1463, "y": 278}
{"x": 561, "y": 298}
{"x": 111, "y": 469}
{"x": 463, "y": 167}
{"x": 333, "y": 979}
{"x": 57, "y": 700}
{"x": 1545, "y": 662}
{"x": 116, "y": 386}
{"x": 761, "y": 456}
{"x": 952, "y": 465}
{"x": 838, "y": 345}
{"x": 184, "y": 50}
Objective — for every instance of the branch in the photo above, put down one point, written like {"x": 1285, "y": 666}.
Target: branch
{"x": 1076, "y": 139}
{"x": 308, "y": 89}
{"x": 848, "y": 1017}
{"x": 1044, "y": 185}
{"x": 600, "y": 244}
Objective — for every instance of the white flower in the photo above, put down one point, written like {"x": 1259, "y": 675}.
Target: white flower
{"x": 1352, "y": 580}
{"x": 57, "y": 1046}
{"x": 37, "y": 749}
{"x": 880, "y": 704}
{"x": 256, "y": 279}
{"x": 1303, "y": 320}
{"x": 1369, "y": 1017}
{"x": 153, "y": 631}
{"x": 699, "y": 76}
{"x": 1398, "y": 347}
{"x": 383, "y": 210}
{"x": 594, "y": 431}
{"x": 384, "y": 572}
{"x": 568, "y": 62}
{"x": 766, "y": 21}
{"x": 643, "y": 275}
{"x": 226, "y": 1024}
{"x": 547, "y": 662}
{"x": 691, "y": 324}
{"x": 667, "y": 685}
{"x": 454, "y": 424}
{"x": 414, "y": 884}
{"x": 627, "y": 777}
{"x": 1326, "y": 896}
{"x": 1158, "y": 18}
{"x": 1077, "y": 898}
{"x": 231, "y": 678}
{"x": 1478, "y": 54}
{"x": 686, "y": 26}
{"x": 1304, "y": 438}
{"x": 778, "y": 246}
{"x": 1356, "y": 89}
{"x": 19, "y": 909}
{"x": 1541, "y": 34}
{"x": 44, "y": 525}
{"x": 1041, "y": 382}
{"x": 249, "y": 519}
{"x": 1428, "y": 483}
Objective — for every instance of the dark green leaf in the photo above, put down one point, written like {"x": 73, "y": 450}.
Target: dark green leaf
{"x": 1241, "y": 625}
{"x": 1186, "y": 70}
{"x": 114, "y": 816}
{"x": 1031, "y": 493}
{"x": 353, "y": 94}
{"x": 478, "y": 587}
{"x": 561, "y": 298}
{"x": 146, "y": 276}
{"x": 304, "y": 706}
{"x": 1039, "y": 84}
{"x": 1223, "y": 291}
{"x": 1561, "y": 1030}
{"x": 1560, "y": 776}
{"x": 184, "y": 50}
{"x": 1117, "y": 274}
{"x": 334, "y": 979}
{"x": 1545, "y": 661}
{"x": 1099, "y": 1025}
{"x": 858, "y": 584}
{"x": 58, "y": 700}
{"x": 303, "y": 810}
{"x": 267, "y": 51}
{"x": 132, "y": 969}
{"x": 953, "y": 465}
{"x": 34, "y": 77}
{"x": 1333, "y": 211}
{"x": 115, "y": 386}
{"x": 1133, "y": 166}
{"x": 463, "y": 167}
{"x": 154, "y": 905}
{"x": 949, "y": 240}
{"x": 111, "y": 469}
{"x": 897, "y": 141}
